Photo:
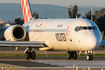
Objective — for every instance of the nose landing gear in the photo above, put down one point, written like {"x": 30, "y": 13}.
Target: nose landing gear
{"x": 89, "y": 56}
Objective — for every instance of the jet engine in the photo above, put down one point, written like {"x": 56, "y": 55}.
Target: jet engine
{"x": 15, "y": 33}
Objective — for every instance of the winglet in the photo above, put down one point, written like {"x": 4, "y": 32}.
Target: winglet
{"x": 26, "y": 10}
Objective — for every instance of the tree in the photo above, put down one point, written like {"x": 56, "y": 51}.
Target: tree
{"x": 101, "y": 23}
{"x": 88, "y": 16}
{"x": 100, "y": 13}
{"x": 35, "y": 15}
{"x": 19, "y": 21}
{"x": 72, "y": 12}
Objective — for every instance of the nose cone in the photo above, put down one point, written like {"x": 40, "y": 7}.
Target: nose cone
{"x": 91, "y": 43}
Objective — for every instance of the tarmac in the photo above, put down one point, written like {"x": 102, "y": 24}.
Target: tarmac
{"x": 11, "y": 50}
{"x": 49, "y": 63}
{"x": 52, "y": 63}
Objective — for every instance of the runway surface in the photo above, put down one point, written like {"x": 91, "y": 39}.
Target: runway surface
{"x": 49, "y": 63}
{"x": 81, "y": 64}
{"x": 53, "y": 64}
{"x": 98, "y": 62}
{"x": 55, "y": 58}
{"x": 67, "y": 64}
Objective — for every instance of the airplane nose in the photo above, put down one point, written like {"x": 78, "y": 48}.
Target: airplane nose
{"x": 91, "y": 43}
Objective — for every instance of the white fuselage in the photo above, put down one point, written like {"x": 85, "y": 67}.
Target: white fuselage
{"x": 65, "y": 34}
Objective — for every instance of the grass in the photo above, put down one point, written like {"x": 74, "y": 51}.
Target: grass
{"x": 64, "y": 55}
{"x": 50, "y": 55}
{"x": 95, "y": 55}
{"x": 12, "y": 55}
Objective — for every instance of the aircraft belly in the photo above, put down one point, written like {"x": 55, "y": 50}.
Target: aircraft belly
{"x": 60, "y": 46}
{"x": 64, "y": 46}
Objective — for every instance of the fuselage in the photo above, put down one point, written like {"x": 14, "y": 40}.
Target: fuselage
{"x": 65, "y": 34}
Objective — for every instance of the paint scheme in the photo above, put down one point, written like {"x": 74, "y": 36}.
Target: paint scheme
{"x": 72, "y": 35}
{"x": 71, "y": 40}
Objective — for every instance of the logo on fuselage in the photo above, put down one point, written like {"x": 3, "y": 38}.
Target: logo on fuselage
{"x": 60, "y": 36}
{"x": 67, "y": 31}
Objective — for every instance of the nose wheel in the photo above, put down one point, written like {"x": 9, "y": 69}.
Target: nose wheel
{"x": 89, "y": 57}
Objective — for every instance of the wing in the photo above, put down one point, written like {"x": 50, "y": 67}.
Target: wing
{"x": 22, "y": 43}
{"x": 103, "y": 43}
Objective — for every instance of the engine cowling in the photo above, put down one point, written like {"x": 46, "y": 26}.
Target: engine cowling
{"x": 15, "y": 33}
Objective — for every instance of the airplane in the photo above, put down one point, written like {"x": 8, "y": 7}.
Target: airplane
{"x": 72, "y": 35}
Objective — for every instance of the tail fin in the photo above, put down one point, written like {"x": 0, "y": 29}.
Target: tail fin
{"x": 26, "y": 10}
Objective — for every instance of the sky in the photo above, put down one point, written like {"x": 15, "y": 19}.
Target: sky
{"x": 66, "y": 3}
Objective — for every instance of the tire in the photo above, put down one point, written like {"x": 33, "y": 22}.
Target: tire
{"x": 33, "y": 55}
{"x": 68, "y": 55}
{"x": 89, "y": 57}
{"x": 27, "y": 55}
{"x": 75, "y": 55}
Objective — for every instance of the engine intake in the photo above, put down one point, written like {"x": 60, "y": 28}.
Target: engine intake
{"x": 15, "y": 33}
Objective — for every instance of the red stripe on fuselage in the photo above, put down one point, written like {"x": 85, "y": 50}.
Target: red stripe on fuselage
{"x": 67, "y": 31}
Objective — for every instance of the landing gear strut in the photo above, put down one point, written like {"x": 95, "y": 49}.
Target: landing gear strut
{"x": 89, "y": 56}
{"x": 72, "y": 54}
{"x": 30, "y": 54}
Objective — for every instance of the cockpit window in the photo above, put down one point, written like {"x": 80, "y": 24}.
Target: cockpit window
{"x": 76, "y": 29}
{"x": 84, "y": 28}
{"x": 79, "y": 28}
{"x": 89, "y": 28}
{"x": 94, "y": 28}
